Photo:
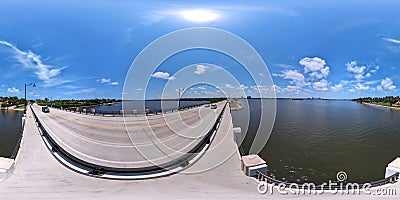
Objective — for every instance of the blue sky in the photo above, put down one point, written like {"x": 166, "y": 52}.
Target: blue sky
{"x": 74, "y": 49}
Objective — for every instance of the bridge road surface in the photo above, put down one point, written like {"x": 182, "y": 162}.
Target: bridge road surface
{"x": 130, "y": 141}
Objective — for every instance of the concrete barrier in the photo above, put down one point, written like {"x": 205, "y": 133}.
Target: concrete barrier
{"x": 253, "y": 163}
{"x": 393, "y": 167}
{"x": 6, "y": 167}
{"x": 250, "y": 164}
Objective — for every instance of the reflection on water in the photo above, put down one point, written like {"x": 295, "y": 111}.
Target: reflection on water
{"x": 312, "y": 140}
{"x": 10, "y": 131}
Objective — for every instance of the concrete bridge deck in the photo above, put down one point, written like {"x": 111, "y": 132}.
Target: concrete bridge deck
{"x": 130, "y": 142}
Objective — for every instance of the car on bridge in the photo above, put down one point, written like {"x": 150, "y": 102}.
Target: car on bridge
{"x": 45, "y": 109}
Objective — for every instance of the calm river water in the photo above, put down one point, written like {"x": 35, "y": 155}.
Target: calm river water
{"x": 10, "y": 131}
{"x": 312, "y": 140}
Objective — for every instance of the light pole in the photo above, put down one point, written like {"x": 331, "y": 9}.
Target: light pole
{"x": 180, "y": 91}
{"x": 26, "y": 101}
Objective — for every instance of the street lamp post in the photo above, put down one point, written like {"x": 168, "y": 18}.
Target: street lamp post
{"x": 180, "y": 90}
{"x": 26, "y": 101}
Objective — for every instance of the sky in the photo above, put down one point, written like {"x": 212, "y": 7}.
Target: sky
{"x": 84, "y": 49}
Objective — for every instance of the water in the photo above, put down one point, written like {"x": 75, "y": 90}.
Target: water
{"x": 152, "y": 105}
{"x": 312, "y": 140}
{"x": 10, "y": 131}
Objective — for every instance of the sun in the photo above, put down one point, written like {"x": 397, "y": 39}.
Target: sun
{"x": 200, "y": 15}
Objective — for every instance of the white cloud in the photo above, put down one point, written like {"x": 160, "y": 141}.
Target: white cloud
{"x": 276, "y": 75}
{"x": 295, "y": 78}
{"x": 46, "y": 73}
{"x": 371, "y": 82}
{"x": 13, "y": 90}
{"x": 360, "y": 86}
{"x": 200, "y": 69}
{"x": 339, "y": 86}
{"x": 392, "y": 44}
{"x": 293, "y": 75}
{"x": 316, "y": 67}
{"x": 202, "y": 88}
{"x": 358, "y": 71}
{"x": 285, "y": 66}
{"x": 276, "y": 88}
{"x": 395, "y": 41}
{"x": 321, "y": 85}
{"x": 242, "y": 87}
{"x": 293, "y": 88}
{"x": 387, "y": 84}
{"x": 374, "y": 70}
{"x": 163, "y": 75}
{"x": 353, "y": 67}
{"x": 265, "y": 89}
{"x": 229, "y": 86}
{"x": 104, "y": 80}
{"x": 107, "y": 81}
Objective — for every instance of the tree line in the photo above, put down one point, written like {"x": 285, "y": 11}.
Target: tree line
{"x": 388, "y": 99}
{"x": 74, "y": 103}
{"x": 11, "y": 101}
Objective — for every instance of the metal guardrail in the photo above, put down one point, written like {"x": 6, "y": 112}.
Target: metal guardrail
{"x": 265, "y": 178}
{"x": 96, "y": 170}
{"x": 241, "y": 150}
{"x": 17, "y": 147}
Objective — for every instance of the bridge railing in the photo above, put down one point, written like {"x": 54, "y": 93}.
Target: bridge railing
{"x": 265, "y": 178}
{"x": 17, "y": 147}
{"x": 93, "y": 111}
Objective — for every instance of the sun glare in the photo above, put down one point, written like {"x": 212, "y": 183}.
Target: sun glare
{"x": 200, "y": 15}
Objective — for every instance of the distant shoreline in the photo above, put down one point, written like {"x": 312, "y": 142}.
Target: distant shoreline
{"x": 371, "y": 104}
{"x": 236, "y": 105}
{"x": 14, "y": 108}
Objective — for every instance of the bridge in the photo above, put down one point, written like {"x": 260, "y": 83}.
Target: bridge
{"x": 129, "y": 147}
